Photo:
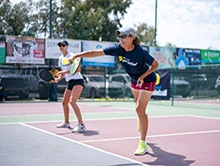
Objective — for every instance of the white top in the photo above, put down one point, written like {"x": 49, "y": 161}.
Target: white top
{"x": 68, "y": 77}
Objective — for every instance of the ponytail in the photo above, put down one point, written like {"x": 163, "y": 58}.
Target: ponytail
{"x": 136, "y": 41}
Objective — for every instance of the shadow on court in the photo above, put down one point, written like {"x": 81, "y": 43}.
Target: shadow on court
{"x": 90, "y": 133}
{"x": 165, "y": 158}
{"x": 87, "y": 133}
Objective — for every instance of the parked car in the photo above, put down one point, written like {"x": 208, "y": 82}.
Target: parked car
{"x": 181, "y": 87}
{"x": 123, "y": 84}
{"x": 36, "y": 84}
{"x": 217, "y": 84}
{"x": 198, "y": 81}
{"x": 14, "y": 83}
{"x": 94, "y": 86}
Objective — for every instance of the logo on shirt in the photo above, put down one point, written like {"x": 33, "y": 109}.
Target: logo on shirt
{"x": 120, "y": 58}
{"x": 125, "y": 60}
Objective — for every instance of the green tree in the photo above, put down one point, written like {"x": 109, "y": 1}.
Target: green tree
{"x": 92, "y": 19}
{"x": 170, "y": 45}
{"x": 15, "y": 18}
{"x": 146, "y": 33}
{"x": 41, "y": 19}
{"x": 78, "y": 19}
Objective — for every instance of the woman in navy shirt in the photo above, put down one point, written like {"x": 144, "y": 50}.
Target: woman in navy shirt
{"x": 140, "y": 66}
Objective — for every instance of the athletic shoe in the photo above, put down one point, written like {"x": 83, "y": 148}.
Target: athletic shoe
{"x": 138, "y": 125}
{"x": 79, "y": 128}
{"x": 63, "y": 125}
{"x": 142, "y": 148}
{"x": 3, "y": 100}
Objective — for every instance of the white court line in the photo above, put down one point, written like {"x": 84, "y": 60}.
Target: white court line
{"x": 81, "y": 143}
{"x": 60, "y": 114}
{"x": 203, "y": 117}
{"x": 95, "y": 119}
{"x": 153, "y": 136}
{"x": 73, "y": 120}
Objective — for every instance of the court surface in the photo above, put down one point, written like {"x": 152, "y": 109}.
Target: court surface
{"x": 177, "y": 136}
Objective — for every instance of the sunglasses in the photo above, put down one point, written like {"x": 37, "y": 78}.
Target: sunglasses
{"x": 122, "y": 36}
{"x": 62, "y": 45}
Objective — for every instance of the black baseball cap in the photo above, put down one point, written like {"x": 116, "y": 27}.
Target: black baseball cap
{"x": 63, "y": 42}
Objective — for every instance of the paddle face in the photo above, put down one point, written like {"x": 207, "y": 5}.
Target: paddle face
{"x": 46, "y": 75}
{"x": 75, "y": 65}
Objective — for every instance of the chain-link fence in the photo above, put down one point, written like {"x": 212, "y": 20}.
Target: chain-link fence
{"x": 204, "y": 80}
{"x": 197, "y": 83}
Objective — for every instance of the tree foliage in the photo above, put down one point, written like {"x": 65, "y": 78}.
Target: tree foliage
{"x": 78, "y": 19}
{"x": 73, "y": 19}
{"x": 91, "y": 19}
{"x": 15, "y": 19}
{"x": 146, "y": 33}
{"x": 170, "y": 45}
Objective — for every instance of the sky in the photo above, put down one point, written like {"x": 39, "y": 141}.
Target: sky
{"x": 186, "y": 24}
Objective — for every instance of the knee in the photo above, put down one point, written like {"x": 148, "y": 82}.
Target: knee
{"x": 64, "y": 104}
{"x": 140, "y": 111}
{"x": 72, "y": 102}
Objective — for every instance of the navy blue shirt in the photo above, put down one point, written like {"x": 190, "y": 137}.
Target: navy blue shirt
{"x": 135, "y": 62}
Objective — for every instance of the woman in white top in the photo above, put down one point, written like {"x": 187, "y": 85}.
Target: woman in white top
{"x": 73, "y": 90}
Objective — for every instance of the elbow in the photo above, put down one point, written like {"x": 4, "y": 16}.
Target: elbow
{"x": 155, "y": 64}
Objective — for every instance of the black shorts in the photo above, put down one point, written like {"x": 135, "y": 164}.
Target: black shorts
{"x": 72, "y": 83}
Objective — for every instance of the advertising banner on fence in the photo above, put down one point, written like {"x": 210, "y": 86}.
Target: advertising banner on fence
{"x": 210, "y": 56}
{"x": 162, "y": 90}
{"x": 187, "y": 57}
{"x": 26, "y": 50}
{"x": 2, "y": 49}
{"x": 164, "y": 55}
{"x": 52, "y": 51}
{"x": 103, "y": 61}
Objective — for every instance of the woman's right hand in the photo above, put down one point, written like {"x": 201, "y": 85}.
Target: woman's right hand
{"x": 72, "y": 58}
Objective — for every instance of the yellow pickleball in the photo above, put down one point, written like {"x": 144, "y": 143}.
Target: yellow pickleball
{"x": 157, "y": 78}
{"x": 138, "y": 125}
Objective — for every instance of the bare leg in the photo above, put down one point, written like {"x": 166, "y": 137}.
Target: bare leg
{"x": 75, "y": 94}
{"x": 65, "y": 102}
{"x": 142, "y": 98}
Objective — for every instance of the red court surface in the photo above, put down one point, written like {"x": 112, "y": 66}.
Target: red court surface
{"x": 172, "y": 141}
